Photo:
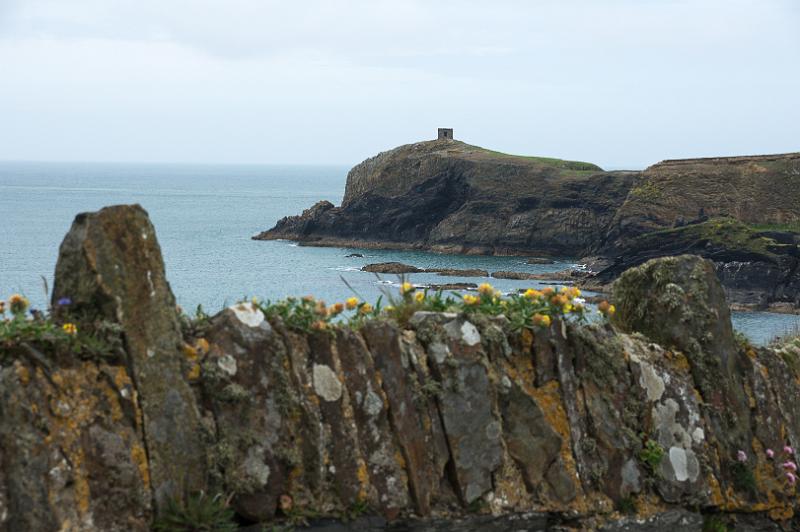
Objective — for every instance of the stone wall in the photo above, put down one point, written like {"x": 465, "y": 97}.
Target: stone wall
{"x": 452, "y": 416}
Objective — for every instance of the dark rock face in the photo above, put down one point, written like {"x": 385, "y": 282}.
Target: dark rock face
{"x": 450, "y": 196}
{"x": 451, "y": 418}
{"x": 110, "y": 266}
{"x": 391, "y": 267}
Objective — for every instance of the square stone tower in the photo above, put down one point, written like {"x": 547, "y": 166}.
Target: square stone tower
{"x": 445, "y": 133}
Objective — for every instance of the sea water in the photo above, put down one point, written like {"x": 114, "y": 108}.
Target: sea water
{"x": 204, "y": 216}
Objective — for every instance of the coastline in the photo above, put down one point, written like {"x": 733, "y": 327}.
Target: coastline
{"x": 586, "y": 284}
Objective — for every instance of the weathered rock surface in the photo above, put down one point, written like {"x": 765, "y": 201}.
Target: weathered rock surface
{"x": 391, "y": 267}
{"x": 455, "y": 418}
{"x": 452, "y": 272}
{"x": 110, "y": 266}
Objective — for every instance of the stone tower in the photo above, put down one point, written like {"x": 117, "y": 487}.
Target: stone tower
{"x": 445, "y": 133}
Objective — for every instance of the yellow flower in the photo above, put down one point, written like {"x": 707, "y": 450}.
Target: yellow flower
{"x": 202, "y": 346}
{"x": 194, "y": 372}
{"x": 419, "y": 296}
{"x": 571, "y": 292}
{"x": 389, "y": 308}
{"x": 70, "y": 329}
{"x": 366, "y": 308}
{"x": 541, "y": 320}
{"x": 406, "y": 287}
{"x": 18, "y": 304}
{"x": 469, "y": 299}
{"x": 336, "y": 308}
{"x": 548, "y": 291}
{"x": 254, "y": 301}
{"x": 351, "y": 303}
{"x": 607, "y": 309}
{"x": 308, "y": 299}
{"x": 320, "y": 308}
{"x": 486, "y": 289}
{"x": 559, "y": 300}
{"x": 530, "y": 293}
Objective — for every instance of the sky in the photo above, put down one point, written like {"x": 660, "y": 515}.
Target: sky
{"x": 621, "y": 83}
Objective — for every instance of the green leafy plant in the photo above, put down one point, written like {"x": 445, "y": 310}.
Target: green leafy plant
{"x": 38, "y": 335}
{"x": 627, "y": 505}
{"x": 198, "y": 513}
{"x": 714, "y": 523}
{"x": 651, "y": 454}
{"x": 743, "y": 478}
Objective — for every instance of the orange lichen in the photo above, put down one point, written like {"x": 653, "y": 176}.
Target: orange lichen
{"x": 22, "y": 372}
{"x": 362, "y": 474}
{"x": 401, "y": 461}
{"x": 139, "y": 457}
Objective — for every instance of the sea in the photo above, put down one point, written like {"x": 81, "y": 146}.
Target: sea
{"x": 205, "y": 216}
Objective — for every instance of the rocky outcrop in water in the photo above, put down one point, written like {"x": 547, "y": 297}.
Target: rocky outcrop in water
{"x": 452, "y": 417}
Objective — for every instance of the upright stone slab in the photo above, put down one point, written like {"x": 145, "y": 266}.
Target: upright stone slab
{"x": 110, "y": 266}
{"x": 679, "y": 303}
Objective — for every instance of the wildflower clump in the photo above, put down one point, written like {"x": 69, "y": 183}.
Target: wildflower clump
{"x": 25, "y": 330}
{"x": 606, "y": 309}
{"x": 530, "y": 309}
{"x": 786, "y": 466}
{"x": 311, "y": 314}
{"x": 18, "y": 304}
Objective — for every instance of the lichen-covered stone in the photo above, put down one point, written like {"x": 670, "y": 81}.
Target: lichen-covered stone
{"x": 110, "y": 266}
{"x": 451, "y": 415}
{"x": 253, "y": 453}
{"x": 73, "y": 455}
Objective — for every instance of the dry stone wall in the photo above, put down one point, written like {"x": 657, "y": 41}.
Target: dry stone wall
{"x": 450, "y": 417}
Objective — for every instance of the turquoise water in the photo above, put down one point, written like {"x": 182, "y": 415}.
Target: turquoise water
{"x": 205, "y": 215}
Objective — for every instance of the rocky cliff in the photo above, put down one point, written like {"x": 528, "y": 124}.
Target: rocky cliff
{"x": 449, "y": 196}
{"x": 661, "y": 420}
{"x": 452, "y": 197}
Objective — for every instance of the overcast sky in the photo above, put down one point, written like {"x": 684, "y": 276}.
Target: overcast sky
{"x": 622, "y": 83}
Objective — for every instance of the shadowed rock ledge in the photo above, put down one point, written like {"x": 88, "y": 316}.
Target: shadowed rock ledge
{"x": 451, "y": 421}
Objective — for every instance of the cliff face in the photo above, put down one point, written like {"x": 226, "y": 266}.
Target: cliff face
{"x": 453, "y": 416}
{"x": 450, "y": 196}
{"x": 762, "y": 190}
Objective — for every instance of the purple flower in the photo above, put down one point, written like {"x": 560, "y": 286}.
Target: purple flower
{"x": 64, "y": 301}
{"x": 770, "y": 454}
{"x": 790, "y": 466}
{"x": 788, "y": 450}
{"x": 741, "y": 456}
{"x": 791, "y": 478}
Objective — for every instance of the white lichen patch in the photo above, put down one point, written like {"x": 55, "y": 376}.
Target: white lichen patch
{"x": 254, "y": 466}
{"x": 466, "y": 332}
{"x": 439, "y": 351}
{"x": 326, "y": 383}
{"x": 651, "y": 382}
{"x": 248, "y": 314}
{"x": 373, "y": 404}
{"x": 227, "y": 364}
{"x": 684, "y": 464}
{"x": 470, "y": 334}
{"x": 698, "y": 435}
